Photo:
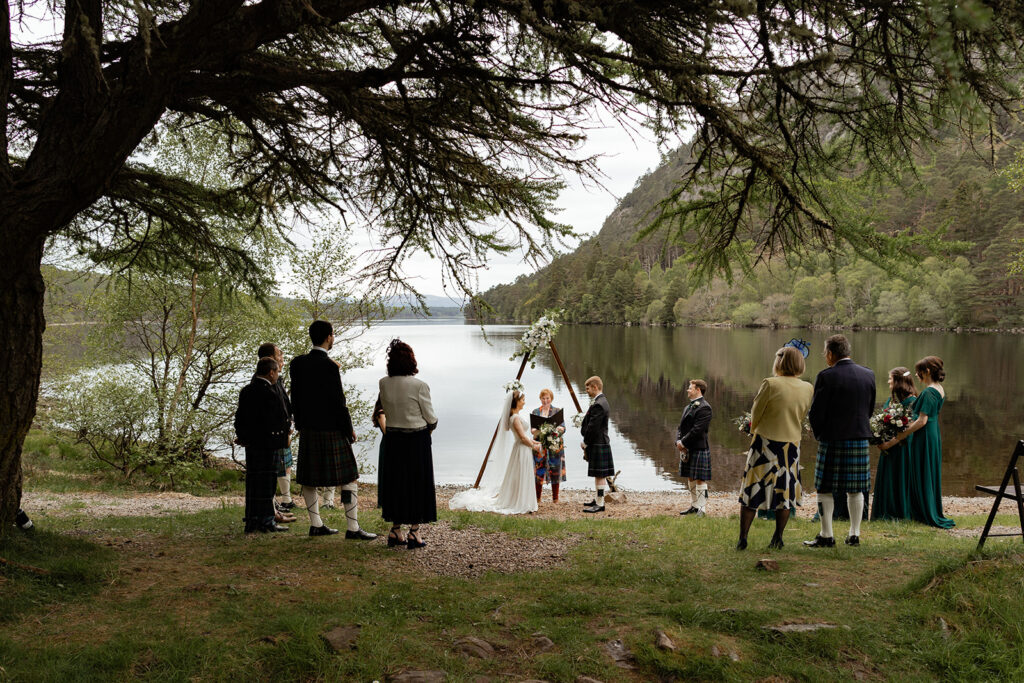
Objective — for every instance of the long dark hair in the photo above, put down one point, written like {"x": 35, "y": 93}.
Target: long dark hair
{"x": 517, "y": 396}
{"x": 401, "y": 359}
{"x": 902, "y": 383}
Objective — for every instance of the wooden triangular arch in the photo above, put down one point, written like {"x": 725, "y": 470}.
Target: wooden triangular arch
{"x": 519, "y": 376}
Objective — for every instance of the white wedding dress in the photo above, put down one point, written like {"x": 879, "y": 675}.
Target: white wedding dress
{"x": 516, "y": 495}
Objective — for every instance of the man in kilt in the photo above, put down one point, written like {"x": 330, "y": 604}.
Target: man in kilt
{"x": 692, "y": 444}
{"x": 844, "y": 396}
{"x": 261, "y": 426}
{"x": 325, "y": 433}
{"x": 597, "y": 449}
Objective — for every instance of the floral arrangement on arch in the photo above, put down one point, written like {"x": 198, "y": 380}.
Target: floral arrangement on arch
{"x": 539, "y": 335}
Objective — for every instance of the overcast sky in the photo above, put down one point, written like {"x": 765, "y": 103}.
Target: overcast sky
{"x": 625, "y": 156}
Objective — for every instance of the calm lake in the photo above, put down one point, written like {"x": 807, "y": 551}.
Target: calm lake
{"x": 645, "y": 372}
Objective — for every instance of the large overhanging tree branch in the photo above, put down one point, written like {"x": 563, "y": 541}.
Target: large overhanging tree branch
{"x": 446, "y": 126}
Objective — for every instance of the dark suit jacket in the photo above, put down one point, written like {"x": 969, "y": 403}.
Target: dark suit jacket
{"x": 844, "y": 396}
{"x": 595, "y": 422}
{"x": 693, "y": 426}
{"x": 283, "y": 393}
{"x": 318, "y": 401}
{"x": 261, "y": 421}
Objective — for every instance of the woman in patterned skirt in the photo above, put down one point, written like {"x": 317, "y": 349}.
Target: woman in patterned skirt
{"x": 771, "y": 478}
{"x": 548, "y": 465}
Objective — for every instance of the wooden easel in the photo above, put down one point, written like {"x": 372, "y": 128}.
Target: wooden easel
{"x": 1000, "y": 492}
{"x": 519, "y": 375}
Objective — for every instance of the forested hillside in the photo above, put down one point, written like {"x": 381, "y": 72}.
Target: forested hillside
{"x": 612, "y": 278}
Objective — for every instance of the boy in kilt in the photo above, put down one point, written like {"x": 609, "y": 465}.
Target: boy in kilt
{"x": 692, "y": 444}
{"x": 325, "y": 433}
{"x": 844, "y": 396}
{"x": 261, "y": 426}
{"x": 597, "y": 449}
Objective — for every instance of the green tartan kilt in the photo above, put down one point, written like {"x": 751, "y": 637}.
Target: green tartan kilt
{"x": 843, "y": 467}
{"x": 599, "y": 460}
{"x": 325, "y": 459}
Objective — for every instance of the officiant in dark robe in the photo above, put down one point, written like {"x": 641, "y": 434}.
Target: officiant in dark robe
{"x": 549, "y": 465}
{"x": 261, "y": 426}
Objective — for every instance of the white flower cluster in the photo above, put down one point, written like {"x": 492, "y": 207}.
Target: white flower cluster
{"x": 514, "y": 385}
{"x": 539, "y": 335}
{"x": 577, "y": 420}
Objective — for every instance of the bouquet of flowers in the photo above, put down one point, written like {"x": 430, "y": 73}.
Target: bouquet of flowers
{"x": 890, "y": 421}
{"x": 743, "y": 423}
{"x": 577, "y": 420}
{"x": 539, "y": 335}
{"x": 550, "y": 437}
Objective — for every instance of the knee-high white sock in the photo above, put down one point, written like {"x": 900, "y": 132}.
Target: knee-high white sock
{"x": 284, "y": 485}
{"x": 312, "y": 505}
{"x": 328, "y": 496}
{"x": 599, "y": 485}
{"x": 828, "y": 506}
{"x": 856, "y": 503}
{"x": 350, "y": 499}
{"x": 701, "y": 501}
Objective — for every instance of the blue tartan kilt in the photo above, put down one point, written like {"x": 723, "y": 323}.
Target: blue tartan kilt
{"x": 697, "y": 466}
{"x": 599, "y": 460}
{"x": 283, "y": 460}
{"x": 843, "y": 467}
{"x": 325, "y": 459}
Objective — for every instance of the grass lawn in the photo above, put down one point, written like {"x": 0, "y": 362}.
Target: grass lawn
{"x": 191, "y": 598}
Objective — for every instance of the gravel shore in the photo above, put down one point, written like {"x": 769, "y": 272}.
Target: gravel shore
{"x": 637, "y": 503}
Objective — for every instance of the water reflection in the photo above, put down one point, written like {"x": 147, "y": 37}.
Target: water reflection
{"x": 646, "y": 371}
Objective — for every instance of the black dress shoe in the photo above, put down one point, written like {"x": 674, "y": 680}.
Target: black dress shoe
{"x": 322, "y": 530}
{"x": 275, "y": 527}
{"x": 741, "y": 544}
{"x": 594, "y": 508}
{"x": 591, "y": 503}
{"x": 853, "y": 540}
{"x": 284, "y": 507}
{"x": 821, "y": 542}
{"x": 360, "y": 535}
{"x": 691, "y": 511}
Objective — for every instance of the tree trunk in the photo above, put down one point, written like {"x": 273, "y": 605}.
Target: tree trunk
{"x": 21, "y": 358}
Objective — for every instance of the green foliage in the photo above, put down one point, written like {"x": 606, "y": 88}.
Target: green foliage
{"x": 947, "y": 254}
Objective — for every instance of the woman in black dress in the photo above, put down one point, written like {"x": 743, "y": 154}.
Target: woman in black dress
{"x": 405, "y": 481}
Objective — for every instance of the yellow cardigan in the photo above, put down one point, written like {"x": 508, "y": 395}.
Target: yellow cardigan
{"x": 779, "y": 408}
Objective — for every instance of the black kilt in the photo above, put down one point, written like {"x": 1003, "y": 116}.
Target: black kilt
{"x": 405, "y": 478}
{"x": 325, "y": 459}
{"x": 599, "y": 460}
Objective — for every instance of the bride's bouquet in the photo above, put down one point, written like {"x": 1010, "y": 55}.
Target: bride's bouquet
{"x": 550, "y": 437}
{"x": 890, "y": 421}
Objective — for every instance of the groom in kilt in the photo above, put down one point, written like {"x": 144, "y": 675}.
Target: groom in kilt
{"x": 692, "y": 444}
{"x": 597, "y": 449}
{"x": 844, "y": 396}
{"x": 325, "y": 432}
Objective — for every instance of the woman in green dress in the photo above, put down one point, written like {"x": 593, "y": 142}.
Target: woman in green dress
{"x": 892, "y": 480}
{"x": 926, "y": 447}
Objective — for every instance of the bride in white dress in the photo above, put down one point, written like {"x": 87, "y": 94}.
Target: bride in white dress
{"x": 516, "y": 494}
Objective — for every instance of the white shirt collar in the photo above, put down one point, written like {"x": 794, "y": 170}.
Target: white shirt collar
{"x": 265, "y": 380}
{"x": 319, "y": 348}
